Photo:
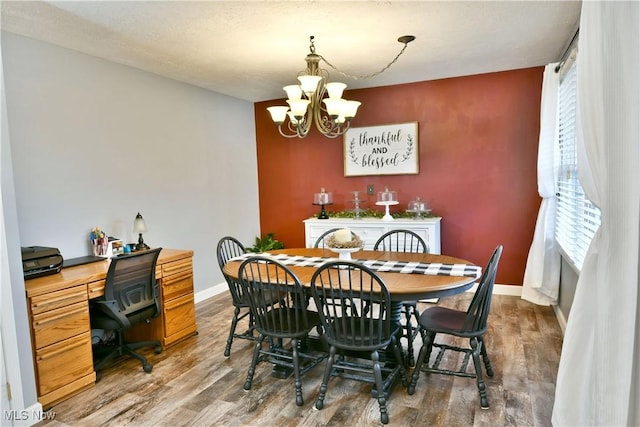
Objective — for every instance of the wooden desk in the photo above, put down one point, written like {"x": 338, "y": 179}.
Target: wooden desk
{"x": 402, "y": 287}
{"x": 60, "y": 328}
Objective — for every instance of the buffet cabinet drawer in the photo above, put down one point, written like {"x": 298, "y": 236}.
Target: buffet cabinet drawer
{"x": 61, "y": 363}
{"x": 58, "y": 299}
{"x": 57, "y": 325}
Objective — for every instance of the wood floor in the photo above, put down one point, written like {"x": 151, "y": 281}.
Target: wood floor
{"x": 193, "y": 384}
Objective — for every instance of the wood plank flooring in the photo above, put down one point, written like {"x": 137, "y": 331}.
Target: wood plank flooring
{"x": 193, "y": 384}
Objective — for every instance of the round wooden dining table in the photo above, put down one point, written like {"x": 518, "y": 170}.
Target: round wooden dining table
{"x": 402, "y": 286}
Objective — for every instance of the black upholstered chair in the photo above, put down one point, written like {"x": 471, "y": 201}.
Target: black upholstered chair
{"x": 401, "y": 240}
{"x": 279, "y": 307}
{"x": 470, "y": 324}
{"x": 320, "y": 240}
{"x": 363, "y": 326}
{"x": 131, "y": 296}
{"x": 229, "y": 247}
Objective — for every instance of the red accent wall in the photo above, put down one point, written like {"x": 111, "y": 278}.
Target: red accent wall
{"x": 478, "y": 141}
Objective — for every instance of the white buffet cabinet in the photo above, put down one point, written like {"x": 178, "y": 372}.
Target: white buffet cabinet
{"x": 370, "y": 229}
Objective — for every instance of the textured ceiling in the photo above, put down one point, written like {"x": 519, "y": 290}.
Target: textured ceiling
{"x": 250, "y": 49}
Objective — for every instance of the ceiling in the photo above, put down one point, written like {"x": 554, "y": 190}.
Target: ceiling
{"x": 250, "y": 49}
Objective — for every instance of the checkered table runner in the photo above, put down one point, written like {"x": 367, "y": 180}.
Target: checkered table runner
{"x": 433, "y": 268}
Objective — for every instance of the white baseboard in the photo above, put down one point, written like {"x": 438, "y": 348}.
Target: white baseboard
{"x": 211, "y": 292}
{"x": 511, "y": 290}
{"x": 562, "y": 321}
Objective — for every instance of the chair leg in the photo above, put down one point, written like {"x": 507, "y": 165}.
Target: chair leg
{"x": 325, "y": 379}
{"x": 296, "y": 372}
{"x": 485, "y": 357}
{"x": 254, "y": 362}
{"x": 234, "y": 323}
{"x": 146, "y": 366}
{"x": 395, "y": 346}
{"x": 482, "y": 388}
{"x": 410, "y": 312}
{"x": 382, "y": 400}
{"x": 424, "y": 355}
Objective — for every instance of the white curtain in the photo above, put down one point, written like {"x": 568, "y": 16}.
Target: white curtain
{"x": 542, "y": 275}
{"x": 599, "y": 375}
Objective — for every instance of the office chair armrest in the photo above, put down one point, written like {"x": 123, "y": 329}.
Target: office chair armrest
{"x": 111, "y": 309}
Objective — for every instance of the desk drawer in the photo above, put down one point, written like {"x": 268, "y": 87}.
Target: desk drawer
{"x": 96, "y": 289}
{"x": 57, "y": 299}
{"x": 179, "y": 314}
{"x": 177, "y": 285}
{"x": 57, "y": 325}
{"x": 60, "y": 364}
{"x": 178, "y": 266}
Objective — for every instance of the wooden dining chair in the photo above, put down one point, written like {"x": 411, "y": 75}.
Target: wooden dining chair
{"x": 363, "y": 327}
{"x": 229, "y": 247}
{"x": 278, "y": 305}
{"x": 401, "y": 240}
{"x": 471, "y": 324}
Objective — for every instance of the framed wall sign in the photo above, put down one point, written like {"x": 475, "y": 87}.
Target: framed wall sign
{"x": 381, "y": 150}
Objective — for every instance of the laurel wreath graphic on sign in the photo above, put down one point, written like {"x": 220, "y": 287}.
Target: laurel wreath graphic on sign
{"x": 352, "y": 151}
{"x": 409, "y": 148}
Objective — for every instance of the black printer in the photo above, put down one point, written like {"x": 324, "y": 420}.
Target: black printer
{"x": 40, "y": 261}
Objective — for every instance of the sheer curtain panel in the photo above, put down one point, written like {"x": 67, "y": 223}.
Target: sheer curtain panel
{"x": 542, "y": 274}
{"x": 599, "y": 375}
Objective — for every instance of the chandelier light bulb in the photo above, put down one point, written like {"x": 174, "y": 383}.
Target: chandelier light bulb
{"x": 335, "y": 89}
{"x": 278, "y": 114}
{"x": 309, "y": 84}
{"x": 293, "y": 91}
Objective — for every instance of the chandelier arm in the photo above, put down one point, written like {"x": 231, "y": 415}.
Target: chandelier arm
{"x": 366, "y": 76}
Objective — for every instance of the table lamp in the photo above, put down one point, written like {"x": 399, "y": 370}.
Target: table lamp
{"x": 140, "y": 227}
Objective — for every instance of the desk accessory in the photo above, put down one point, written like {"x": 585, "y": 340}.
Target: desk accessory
{"x": 99, "y": 242}
{"x": 139, "y": 226}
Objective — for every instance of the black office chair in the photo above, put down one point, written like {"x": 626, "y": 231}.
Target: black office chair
{"x": 264, "y": 281}
{"x": 363, "y": 327}
{"x": 320, "y": 240}
{"x": 131, "y": 296}
{"x": 401, "y": 240}
{"x": 471, "y": 324}
{"x": 229, "y": 247}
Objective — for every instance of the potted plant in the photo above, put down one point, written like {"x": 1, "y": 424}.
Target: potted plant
{"x": 266, "y": 243}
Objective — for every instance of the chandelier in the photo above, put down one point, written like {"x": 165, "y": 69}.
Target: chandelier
{"x": 332, "y": 114}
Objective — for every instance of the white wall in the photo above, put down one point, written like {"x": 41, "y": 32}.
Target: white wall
{"x": 94, "y": 142}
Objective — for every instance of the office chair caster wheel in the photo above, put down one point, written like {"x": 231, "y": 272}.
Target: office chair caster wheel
{"x": 157, "y": 350}
{"x": 147, "y": 367}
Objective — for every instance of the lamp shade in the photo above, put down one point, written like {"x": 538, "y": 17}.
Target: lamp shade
{"x": 139, "y": 225}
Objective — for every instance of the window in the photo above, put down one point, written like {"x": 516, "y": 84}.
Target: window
{"x": 577, "y": 218}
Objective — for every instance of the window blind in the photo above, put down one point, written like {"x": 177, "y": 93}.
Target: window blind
{"x": 577, "y": 218}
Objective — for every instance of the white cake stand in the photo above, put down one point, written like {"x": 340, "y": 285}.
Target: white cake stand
{"x": 387, "y": 216}
{"x": 344, "y": 254}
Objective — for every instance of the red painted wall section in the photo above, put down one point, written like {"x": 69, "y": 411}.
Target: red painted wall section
{"x": 478, "y": 141}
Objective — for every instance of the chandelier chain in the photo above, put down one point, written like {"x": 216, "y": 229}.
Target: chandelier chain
{"x": 366, "y": 76}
